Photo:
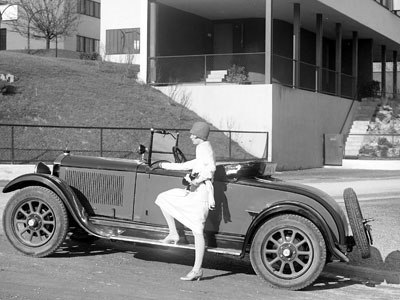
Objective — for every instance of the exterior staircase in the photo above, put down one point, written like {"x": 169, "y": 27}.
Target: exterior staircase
{"x": 359, "y": 127}
{"x": 216, "y": 76}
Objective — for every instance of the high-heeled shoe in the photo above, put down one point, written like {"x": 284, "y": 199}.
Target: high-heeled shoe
{"x": 193, "y": 275}
{"x": 170, "y": 240}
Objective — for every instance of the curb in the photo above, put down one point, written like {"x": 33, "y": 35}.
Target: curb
{"x": 371, "y": 276}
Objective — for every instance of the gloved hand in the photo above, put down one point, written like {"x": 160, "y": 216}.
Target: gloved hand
{"x": 157, "y": 165}
{"x": 189, "y": 179}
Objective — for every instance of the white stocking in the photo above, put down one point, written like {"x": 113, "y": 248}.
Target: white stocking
{"x": 171, "y": 223}
{"x": 199, "y": 245}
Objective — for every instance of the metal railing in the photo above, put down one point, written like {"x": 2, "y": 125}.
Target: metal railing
{"x": 374, "y": 146}
{"x": 174, "y": 69}
{"x": 22, "y": 143}
{"x": 312, "y": 77}
{"x": 248, "y": 68}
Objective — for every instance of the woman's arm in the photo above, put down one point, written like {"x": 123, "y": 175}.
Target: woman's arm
{"x": 187, "y": 165}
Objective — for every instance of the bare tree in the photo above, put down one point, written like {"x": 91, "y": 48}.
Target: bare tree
{"x": 46, "y": 19}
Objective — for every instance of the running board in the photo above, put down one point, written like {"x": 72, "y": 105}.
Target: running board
{"x": 229, "y": 251}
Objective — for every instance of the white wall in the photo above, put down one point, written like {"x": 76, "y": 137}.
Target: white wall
{"x": 370, "y": 14}
{"x": 295, "y": 119}
{"x": 125, "y": 14}
{"x": 231, "y": 107}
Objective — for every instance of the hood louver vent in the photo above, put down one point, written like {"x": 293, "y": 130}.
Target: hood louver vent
{"x": 98, "y": 188}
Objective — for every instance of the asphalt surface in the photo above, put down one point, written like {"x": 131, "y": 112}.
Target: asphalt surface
{"x": 370, "y": 181}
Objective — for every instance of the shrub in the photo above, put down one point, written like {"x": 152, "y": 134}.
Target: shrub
{"x": 6, "y": 88}
{"x": 369, "y": 89}
{"x": 89, "y": 56}
{"x": 236, "y": 74}
{"x": 382, "y": 141}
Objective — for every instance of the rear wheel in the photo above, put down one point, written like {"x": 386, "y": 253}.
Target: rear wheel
{"x": 356, "y": 222}
{"x": 288, "y": 252}
{"x": 35, "y": 221}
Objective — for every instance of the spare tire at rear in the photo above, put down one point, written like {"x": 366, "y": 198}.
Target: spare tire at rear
{"x": 356, "y": 222}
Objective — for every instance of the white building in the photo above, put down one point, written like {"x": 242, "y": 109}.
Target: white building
{"x": 306, "y": 62}
{"x": 86, "y": 38}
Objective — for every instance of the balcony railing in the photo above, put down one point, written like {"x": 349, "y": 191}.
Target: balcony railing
{"x": 228, "y": 68}
{"x": 201, "y": 68}
{"x": 313, "y": 78}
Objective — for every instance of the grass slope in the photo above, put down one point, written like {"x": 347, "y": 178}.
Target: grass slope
{"x": 73, "y": 92}
{"x": 61, "y": 91}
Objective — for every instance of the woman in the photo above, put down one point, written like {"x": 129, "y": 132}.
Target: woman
{"x": 190, "y": 207}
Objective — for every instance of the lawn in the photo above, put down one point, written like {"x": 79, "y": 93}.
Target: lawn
{"x": 74, "y": 92}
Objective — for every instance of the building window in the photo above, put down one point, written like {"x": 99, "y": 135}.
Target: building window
{"x": 88, "y": 45}
{"x": 123, "y": 41}
{"x": 89, "y": 8}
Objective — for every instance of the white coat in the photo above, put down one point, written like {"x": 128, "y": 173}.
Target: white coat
{"x": 190, "y": 207}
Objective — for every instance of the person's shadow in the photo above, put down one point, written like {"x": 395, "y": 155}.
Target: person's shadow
{"x": 221, "y": 211}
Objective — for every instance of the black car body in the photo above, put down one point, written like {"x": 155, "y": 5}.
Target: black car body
{"x": 290, "y": 231}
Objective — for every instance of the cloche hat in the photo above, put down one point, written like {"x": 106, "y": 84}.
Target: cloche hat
{"x": 201, "y": 130}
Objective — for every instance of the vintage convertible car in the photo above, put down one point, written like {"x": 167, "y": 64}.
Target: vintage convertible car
{"x": 290, "y": 231}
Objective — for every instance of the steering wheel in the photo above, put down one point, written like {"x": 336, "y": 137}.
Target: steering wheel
{"x": 157, "y": 162}
{"x": 178, "y": 155}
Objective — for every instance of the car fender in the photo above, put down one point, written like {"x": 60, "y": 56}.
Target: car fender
{"x": 67, "y": 195}
{"x": 298, "y": 209}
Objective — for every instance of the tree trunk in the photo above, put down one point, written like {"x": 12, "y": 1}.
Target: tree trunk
{"x": 47, "y": 44}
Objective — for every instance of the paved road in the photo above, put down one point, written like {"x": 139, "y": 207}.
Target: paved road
{"x": 115, "y": 270}
{"x": 105, "y": 270}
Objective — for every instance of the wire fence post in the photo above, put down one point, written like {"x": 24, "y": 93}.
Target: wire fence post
{"x": 205, "y": 69}
{"x": 101, "y": 142}
{"x": 12, "y": 145}
{"x": 230, "y": 144}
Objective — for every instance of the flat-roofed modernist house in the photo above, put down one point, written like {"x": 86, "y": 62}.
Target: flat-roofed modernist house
{"x": 85, "y": 39}
{"x": 294, "y": 69}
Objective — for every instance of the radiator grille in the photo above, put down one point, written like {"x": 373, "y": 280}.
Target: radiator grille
{"x": 98, "y": 188}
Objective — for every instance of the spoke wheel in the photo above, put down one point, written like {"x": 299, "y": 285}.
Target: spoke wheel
{"x": 288, "y": 252}
{"x": 35, "y": 221}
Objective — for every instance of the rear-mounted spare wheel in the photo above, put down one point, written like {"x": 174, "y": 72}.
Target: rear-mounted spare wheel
{"x": 357, "y": 223}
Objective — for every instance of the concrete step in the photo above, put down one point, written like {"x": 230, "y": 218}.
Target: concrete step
{"x": 216, "y": 75}
{"x": 214, "y": 79}
{"x": 221, "y": 72}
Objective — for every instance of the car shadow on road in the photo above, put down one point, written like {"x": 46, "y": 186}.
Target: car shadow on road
{"x": 327, "y": 282}
{"x": 89, "y": 247}
{"x": 370, "y": 272}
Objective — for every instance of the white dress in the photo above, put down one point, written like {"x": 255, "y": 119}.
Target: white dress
{"x": 191, "y": 207}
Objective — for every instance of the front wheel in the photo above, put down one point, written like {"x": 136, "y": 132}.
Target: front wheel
{"x": 35, "y": 221}
{"x": 288, "y": 252}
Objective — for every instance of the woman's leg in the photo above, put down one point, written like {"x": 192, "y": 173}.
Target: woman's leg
{"x": 173, "y": 233}
{"x": 199, "y": 245}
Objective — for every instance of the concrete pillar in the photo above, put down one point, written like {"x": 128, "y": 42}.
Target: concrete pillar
{"x": 338, "y": 59}
{"x": 318, "y": 53}
{"x": 296, "y": 44}
{"x": 354, "y": 67}
{"x": 394, "y": 74}
{"x": 268, "y": 41}
{"x": 144, "y": 54}
{"x": 153, "y": 7}
{"x": 383, "y": 71}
